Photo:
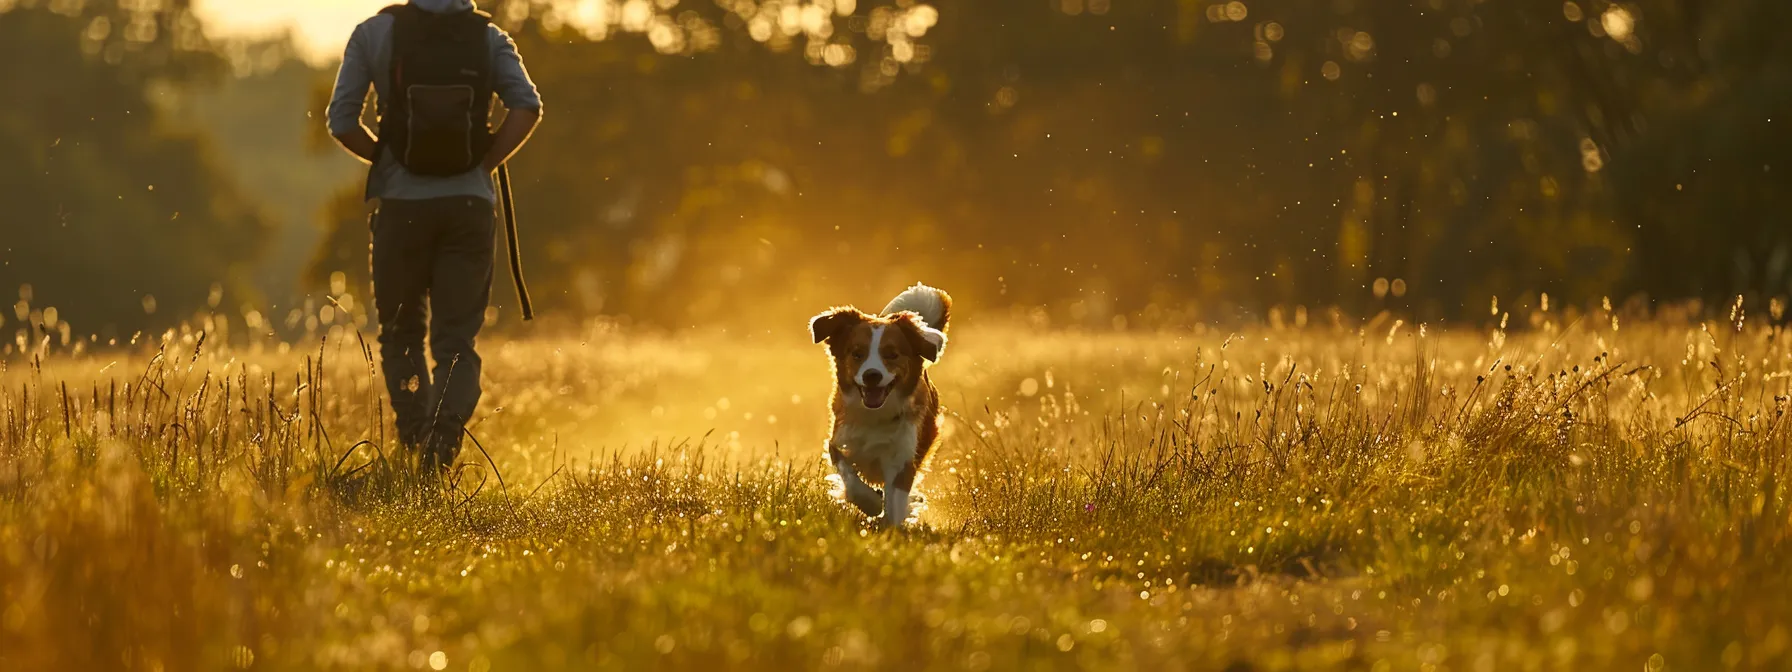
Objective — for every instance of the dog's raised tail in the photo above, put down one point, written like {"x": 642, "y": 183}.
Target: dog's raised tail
{"x": 933, "y": 305}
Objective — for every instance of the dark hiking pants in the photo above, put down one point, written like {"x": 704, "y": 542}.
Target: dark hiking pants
{"x": 432, "y": 276}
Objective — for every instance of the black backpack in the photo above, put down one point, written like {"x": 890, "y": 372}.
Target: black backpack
{"x": 437, "y": 121}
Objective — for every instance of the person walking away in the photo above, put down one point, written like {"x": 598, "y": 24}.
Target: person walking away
{"x": 435, "y": 66}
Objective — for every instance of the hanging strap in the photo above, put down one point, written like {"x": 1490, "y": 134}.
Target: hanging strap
{"x": 516, "y": 255}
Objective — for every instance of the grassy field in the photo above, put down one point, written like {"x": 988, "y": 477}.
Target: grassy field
{"x": 1581, "y": 493}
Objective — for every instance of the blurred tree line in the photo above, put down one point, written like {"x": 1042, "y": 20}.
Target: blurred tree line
{"x": 113, "y": 217}
{"x": 1101, "y": 157}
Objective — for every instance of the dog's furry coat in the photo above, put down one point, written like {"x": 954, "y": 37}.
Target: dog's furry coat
{"x": 886, "y": 410}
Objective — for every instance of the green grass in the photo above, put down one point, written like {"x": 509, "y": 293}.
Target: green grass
{"x": 1365, "y": 498}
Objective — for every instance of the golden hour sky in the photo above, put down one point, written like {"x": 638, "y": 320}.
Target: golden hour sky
{"x": 320, "y": 26}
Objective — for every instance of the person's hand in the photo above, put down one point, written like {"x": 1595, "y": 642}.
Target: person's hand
{"x": 510, "y": 136}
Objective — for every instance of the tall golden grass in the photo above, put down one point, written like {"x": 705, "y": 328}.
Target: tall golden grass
{"x": 1359, "y": 495}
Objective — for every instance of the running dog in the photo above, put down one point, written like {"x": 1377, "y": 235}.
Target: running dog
{"x": 886, "y": 410}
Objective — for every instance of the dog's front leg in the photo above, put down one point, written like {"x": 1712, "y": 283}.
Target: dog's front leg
{"x": 896, "y": 488}
{"x": 852, "y": 487}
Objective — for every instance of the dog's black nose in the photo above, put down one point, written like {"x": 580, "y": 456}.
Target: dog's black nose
{"x": 873, "y": 377}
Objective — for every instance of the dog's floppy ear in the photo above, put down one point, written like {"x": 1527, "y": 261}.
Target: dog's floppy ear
{"x": 928, "y": 341}
{"x": 831, "y": 323}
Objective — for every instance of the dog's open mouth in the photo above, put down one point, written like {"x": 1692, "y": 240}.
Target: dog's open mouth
{"x": 874, "y": 396}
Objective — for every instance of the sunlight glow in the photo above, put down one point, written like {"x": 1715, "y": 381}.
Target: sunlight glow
{"x": 319, "y": 27}
{"x": 1618, "y": 23}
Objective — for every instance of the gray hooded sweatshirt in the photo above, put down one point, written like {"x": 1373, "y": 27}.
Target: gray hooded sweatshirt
{"x": 367, "y": 62}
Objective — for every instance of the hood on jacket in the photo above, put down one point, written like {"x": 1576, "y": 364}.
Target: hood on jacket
{"x": 443, "y": 6}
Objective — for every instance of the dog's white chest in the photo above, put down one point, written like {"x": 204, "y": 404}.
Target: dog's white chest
{"x": 877, "y": 447}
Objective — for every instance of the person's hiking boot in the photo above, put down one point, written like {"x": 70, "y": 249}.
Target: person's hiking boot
{"x": 439, "y": 452}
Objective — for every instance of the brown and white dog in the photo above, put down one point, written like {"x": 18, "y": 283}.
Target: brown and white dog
{"x": 886, "y": 411}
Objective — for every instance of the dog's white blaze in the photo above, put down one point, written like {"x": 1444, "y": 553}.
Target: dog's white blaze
{"x": 875, "y": 362}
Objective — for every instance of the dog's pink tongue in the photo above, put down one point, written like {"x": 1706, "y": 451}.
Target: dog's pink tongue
{"x": 875, "y": 396}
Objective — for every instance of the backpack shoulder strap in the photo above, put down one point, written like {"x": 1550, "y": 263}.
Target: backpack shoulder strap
{"x": 404, "y": 19}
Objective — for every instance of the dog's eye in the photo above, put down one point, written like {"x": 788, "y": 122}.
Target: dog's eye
{"x": 860, "y": 353}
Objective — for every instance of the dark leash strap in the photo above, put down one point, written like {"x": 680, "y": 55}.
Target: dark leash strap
{"x": 516, "y": 255}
